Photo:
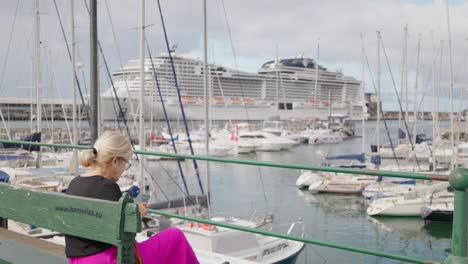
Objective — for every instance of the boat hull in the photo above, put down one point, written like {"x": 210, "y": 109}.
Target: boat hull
{"x": 222, "y": 112}
{"x": 438, "y": 215}
{"x": 409, "y": 208}
{"x": 291, "y": 259}
{"x": 340, "y": 188}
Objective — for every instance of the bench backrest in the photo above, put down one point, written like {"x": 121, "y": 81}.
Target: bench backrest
{"x": 110, "y": 222}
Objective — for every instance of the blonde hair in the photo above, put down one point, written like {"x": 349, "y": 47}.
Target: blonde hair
{"x": 109, "y": 145}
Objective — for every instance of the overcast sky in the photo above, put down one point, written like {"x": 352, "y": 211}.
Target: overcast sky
{"x": 258, "y": 28}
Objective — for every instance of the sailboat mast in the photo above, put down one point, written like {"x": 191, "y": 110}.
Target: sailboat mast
{"x": 439, "y": 78}
{"x": 378, "y": 93}
{"x": 93, "y": 71}
{"x": 38, "y": 78}
{"x": 142, "y": 96}
{"x": 415, "y": 113}
{"x": 207, "y": 101}
{"x": 466, "y": 113}
{"x": 363, "y": 93}
{"x": 74, "y": 167}
{"x": 433, "y": 101}
{"x": 316, "y": 75}
{"x": 451, "y": 85}
{"x": 403, "y": 72}
{"x": 277, "y": 79}
{"x": 405, "y": 81}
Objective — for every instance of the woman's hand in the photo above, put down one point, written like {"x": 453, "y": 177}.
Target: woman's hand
{"x": 143, "y": 207}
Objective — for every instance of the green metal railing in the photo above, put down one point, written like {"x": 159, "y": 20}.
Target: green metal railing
{"x": 458, "y": 180}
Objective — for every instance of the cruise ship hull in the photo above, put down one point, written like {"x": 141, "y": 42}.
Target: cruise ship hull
{"x": 224, "y": 112}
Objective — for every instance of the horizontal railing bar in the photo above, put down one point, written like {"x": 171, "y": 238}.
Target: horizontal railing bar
{"x": 408, "y": 175}
{"x": 295, "y": 238}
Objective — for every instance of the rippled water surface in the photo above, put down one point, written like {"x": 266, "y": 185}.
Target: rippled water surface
{"x": 241, "y": 190}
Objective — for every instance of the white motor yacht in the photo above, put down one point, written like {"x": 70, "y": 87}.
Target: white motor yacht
{"x": 439, "y": 206}
{"x": 325, "y": 136}
{"x": 411, "y": 204}
{"x": 344, "y": 183}
{"x": 244, "y": 245}
{"x": 307, "y": 179}
{"x": 262, "y": 142}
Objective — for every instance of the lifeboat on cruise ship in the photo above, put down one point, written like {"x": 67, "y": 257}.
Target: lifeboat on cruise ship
{"x": 312, "y": 102}
{"x": 189, "y": 99}
{"x": 312, "y": 118}
{"x": 218, "y": 100}
{"x": 296, "y": 119}
{"x": 249, "y": 101}
{"x": 236, "y": 100}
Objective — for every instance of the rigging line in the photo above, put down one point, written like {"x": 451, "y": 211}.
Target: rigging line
{"x": 166, "y": 117}
{"x": 395, "y": 88}
{"x": 179, "y": 96}
{"x": 6, "y": 63}
{"x": 420, "y": 103}
{"x": 109, "y": 75}
{"x": 380, "y": 112}
{"x": 398, "y": 98}
{"x": 190, "y": 200}
{"x": 221, "y": 90}
{"x": 243, "y": 96}
{"x": 116, "y": 112}
{"x": 70, "y": 57}
{"x": 116, "y": 96}
{"x": 228, "y": 27}
{"x": 9, "y": 44}
{"x": 117, "y": 123}
{"x": 120, "y": 62}
{"x": 159, "y": 186}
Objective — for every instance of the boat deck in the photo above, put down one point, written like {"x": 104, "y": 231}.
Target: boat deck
{"x": 17, "y": 248}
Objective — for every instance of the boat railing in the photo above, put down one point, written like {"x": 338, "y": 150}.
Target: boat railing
{"x": 458, "y": 180}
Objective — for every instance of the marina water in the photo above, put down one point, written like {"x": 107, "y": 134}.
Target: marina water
{"x": 240, "y": 190}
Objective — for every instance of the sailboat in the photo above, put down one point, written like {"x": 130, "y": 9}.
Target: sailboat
{"x": 410, "y": 204}
{"x": 254, "y": 247}
{"x": 439, "y": 206}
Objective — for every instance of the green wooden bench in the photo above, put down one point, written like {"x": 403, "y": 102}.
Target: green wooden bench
{"x": 114, "y": 223}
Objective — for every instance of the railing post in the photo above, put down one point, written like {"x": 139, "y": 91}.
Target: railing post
{"x": 459, "y": 181}
{"x": 4, "y": 221}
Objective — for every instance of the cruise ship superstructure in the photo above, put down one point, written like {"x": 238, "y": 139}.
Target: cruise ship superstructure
{"x": 289, "y": 88}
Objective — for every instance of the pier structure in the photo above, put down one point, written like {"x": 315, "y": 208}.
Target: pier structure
{"x": 25, "y": 108}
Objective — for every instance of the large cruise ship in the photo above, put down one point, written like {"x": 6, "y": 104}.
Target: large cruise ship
{"x": 289, "y": 88}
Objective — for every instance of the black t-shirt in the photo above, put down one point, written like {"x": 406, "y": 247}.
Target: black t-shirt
{"x": 96, "y": 187}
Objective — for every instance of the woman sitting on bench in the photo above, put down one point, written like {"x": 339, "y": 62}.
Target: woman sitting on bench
{"x": 108, "y": 160}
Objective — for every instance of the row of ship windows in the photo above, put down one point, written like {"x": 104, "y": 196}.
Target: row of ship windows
{"x": 290, "y": 93}
{"x": 177, "y": 62}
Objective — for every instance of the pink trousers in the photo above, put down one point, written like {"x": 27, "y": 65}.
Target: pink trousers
{"x": 167, "y": 247}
